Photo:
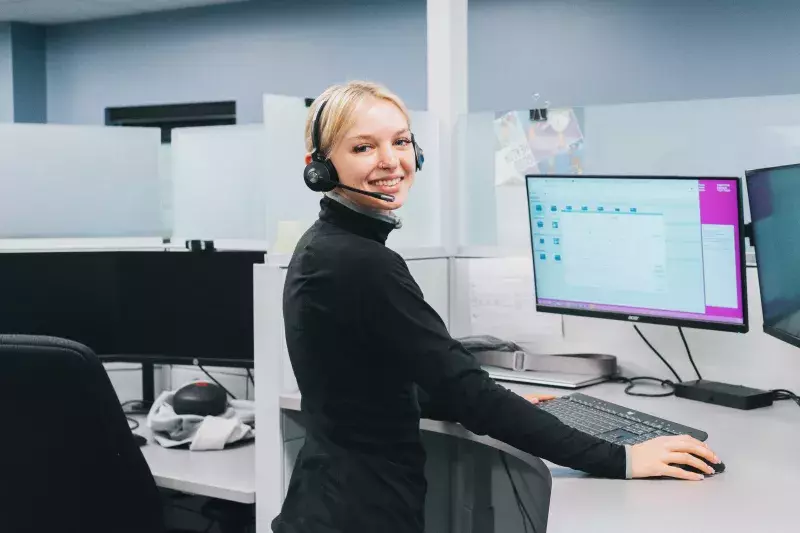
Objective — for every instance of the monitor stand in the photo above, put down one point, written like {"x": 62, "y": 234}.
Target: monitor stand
{"x": 725, "y": 394}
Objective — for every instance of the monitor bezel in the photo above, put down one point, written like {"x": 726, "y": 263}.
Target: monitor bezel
{"x": 770, "y": 330}
{"x": 744, "y": 327}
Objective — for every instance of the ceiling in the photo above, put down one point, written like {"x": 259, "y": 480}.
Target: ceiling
{"x": 62, "y": 11}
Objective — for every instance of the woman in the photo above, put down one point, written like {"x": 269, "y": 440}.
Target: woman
{"x": 366, "y": 347}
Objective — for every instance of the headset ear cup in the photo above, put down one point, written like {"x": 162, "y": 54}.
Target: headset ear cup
{"x": 333, "y": 175}
{"x": 317, "y": 177}
{"x": 419, "y": 155}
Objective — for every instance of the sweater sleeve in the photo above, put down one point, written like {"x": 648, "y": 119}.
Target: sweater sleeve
{"x": 412, "y": 333}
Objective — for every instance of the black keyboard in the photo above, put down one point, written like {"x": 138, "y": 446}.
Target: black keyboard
{"x": 612, "y": 422}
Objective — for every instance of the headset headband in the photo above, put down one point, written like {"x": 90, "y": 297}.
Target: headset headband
{"x": 315, "y": 140}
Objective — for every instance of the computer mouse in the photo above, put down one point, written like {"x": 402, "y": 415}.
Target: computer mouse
{"x": 140, "y": 441}
{"x": 200, "y": 398}
{"x": 718, "y": 467}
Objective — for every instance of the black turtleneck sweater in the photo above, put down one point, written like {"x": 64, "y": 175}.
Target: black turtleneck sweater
{"x": 363, "y": 344}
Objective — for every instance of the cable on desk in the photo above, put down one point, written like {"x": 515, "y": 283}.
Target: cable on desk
{"x": 212, "y": 378}
{"x": 689, "y": 353}
{"x": 133, "y": 421}
{"x": 520, "y": 504}
{"x": 783, "y": 394}
{"x": 631, "y": 383}
{"x": 250, "y": 375}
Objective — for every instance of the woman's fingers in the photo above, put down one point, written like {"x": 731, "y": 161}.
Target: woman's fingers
{"x": 536, "y": 398}
{"x": 680, "y": 473}
{"x": 695, "y": 447}
{"x": 690, "y": 460}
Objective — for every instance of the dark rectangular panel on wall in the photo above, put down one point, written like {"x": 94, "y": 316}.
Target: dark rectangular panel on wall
{"x": 170, "y": 116}
{"x": 28, "y": 43}
{"x": 6, "y": 79}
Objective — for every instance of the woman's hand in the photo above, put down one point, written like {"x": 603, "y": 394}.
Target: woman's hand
{"x": 655, "y": 457}
{"x": 536, "y": 398}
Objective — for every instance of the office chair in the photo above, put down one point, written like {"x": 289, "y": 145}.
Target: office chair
{"x": 68, "y": 461}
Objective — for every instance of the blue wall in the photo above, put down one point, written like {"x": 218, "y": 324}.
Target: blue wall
{"x": 586, "y": 52}
{"x": 236, "y": 51}
{"x": 6, "y": 78}
{"x": 573, "y": 52}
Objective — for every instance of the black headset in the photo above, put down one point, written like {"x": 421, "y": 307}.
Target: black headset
{"x": 320, "y": 175}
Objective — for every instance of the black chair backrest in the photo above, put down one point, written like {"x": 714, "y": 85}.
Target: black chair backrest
{"x": 68, "y": 461}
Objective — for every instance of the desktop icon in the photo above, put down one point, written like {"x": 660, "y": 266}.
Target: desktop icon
{"x": 556, "y": 240}
{"x": 541, "y": 241}
{"x": 539, "y": 224}
{"x": 584, "y": 208}
{"x": 555, "y": 225}
{"x": 558, "y": 257}
{"x": 569, "y": 208}
{"x": 553, "y": 208}
{"x": 633, "y": 209}
{"x": 542, "y": 256}
{"x": 538, "y": 207}
{"x": 600, "y": 209}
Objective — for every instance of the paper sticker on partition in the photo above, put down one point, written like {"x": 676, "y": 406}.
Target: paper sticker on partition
{"x": 502, "y": 301}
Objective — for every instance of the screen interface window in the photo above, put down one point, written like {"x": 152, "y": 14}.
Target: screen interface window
{"x": 638, "y": 246}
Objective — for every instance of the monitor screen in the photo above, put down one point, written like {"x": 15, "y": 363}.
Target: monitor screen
{"x": 171, "y": 306}
{"x": 774, "y": 196}
{"x": 643, "y": 249}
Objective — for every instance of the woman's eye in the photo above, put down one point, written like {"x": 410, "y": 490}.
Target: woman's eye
{"x": 361, "y": 148}
{"x": 403, "y": 142}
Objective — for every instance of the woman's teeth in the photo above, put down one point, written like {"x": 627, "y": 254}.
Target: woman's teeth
{"x": 387, "y": 183}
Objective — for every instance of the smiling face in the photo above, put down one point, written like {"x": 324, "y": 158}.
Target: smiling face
{"x": 375, "y": 154}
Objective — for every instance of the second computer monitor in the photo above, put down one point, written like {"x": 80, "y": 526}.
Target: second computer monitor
{"x": 774, "y": 195}
{"x": 666, "y": 250}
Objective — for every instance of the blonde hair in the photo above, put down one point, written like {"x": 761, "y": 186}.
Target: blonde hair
{"x": 341, "y": 102}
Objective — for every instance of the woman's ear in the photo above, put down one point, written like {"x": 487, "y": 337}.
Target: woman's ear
{"x": 308, "y": 158}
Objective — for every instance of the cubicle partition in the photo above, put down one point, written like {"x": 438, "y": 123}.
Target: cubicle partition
{"x": 219, "y": 181}
{"x": 79, "y": 182}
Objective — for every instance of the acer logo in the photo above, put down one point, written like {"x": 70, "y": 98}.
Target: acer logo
{"x": 633, "y": 317}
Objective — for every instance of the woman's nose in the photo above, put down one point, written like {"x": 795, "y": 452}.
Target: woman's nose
{"x": 388, "y": 159}
{"x": 388, "y": 162}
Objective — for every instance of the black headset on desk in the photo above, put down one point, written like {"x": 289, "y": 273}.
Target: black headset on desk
{"x": 321, "y": 176}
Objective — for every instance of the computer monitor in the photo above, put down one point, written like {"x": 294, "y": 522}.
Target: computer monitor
{"x": 148, "y": 307}
{"x": 774, "y": 196}
{"x": 665, "y": 250}
{"x": 163, "y": 307}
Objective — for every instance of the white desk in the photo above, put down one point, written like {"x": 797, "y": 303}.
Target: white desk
{"x": 228, "y": 474}
{"x": 755, "y": 493}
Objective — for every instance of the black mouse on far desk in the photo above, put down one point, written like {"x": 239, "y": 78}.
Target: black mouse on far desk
{"x": 139, "y": 440}
{"x": 200, "y": 398}
{"x": 718, "y": 467}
